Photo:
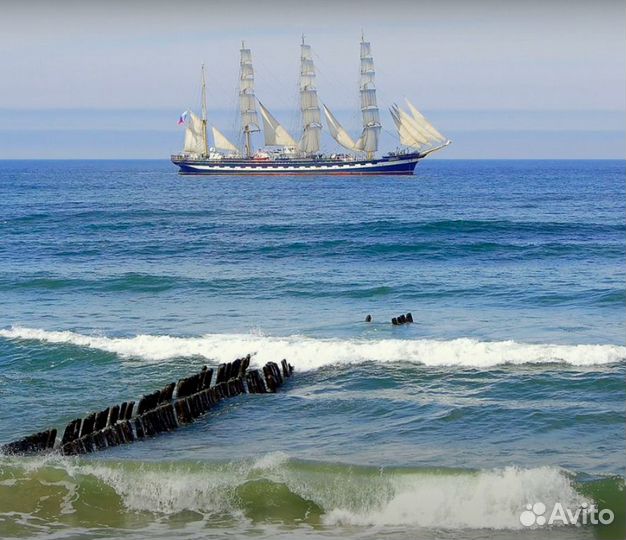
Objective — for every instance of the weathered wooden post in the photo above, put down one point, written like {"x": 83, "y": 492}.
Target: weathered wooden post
{"x": 114, "y": 414}
{"x": 129, "y": 410}
{"x": 220, "y": 373}
{"x": 72, "y": 432}
{"x": 87, "y": 427}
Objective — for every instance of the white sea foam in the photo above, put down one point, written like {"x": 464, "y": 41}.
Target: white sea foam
{"x": 309, "y": 353}
{"x": 345, "y": 495}
{"x": 169, "y": 490}
{"x": 489, "y": 499}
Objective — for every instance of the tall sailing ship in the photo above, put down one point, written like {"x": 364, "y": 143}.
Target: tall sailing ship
{"x": 282, "y": 154}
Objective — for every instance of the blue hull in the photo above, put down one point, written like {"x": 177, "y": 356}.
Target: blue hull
{"x": 401, "y": 165}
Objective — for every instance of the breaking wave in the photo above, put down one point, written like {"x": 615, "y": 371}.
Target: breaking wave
{"x": 311, "y": 353}
{"x": 275, "y": 488}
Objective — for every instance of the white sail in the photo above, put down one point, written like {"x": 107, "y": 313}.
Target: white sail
{"x": 221, "y": 142}
{"x": 425, "y": 124}
{"x": 247, "y": 101}
{"x": 419, "y": 133}
{"x": 407, "y": 136}
{"x": 309, "y": 105}
{"x": 416, "y": 131}
{"x": 274, "y": 133}
{"x": 337, "y": 131}
{"x": 194, "y": 136}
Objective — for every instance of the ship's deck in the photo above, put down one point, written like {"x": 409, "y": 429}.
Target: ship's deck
{"x": 288, "y": 162}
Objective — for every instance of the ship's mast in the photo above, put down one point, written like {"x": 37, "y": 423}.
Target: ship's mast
{"x": 204, "y": 117}
{"x": 369, "y": 108}
{"x": 247, "y": 100}
{"x": 309, "y": 104}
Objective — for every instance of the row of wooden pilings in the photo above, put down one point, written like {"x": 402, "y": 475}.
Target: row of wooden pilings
{"x": 164, "y": 410}
{"x": 402, "y": 319}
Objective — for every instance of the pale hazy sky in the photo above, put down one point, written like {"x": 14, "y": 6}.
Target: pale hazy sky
{"x": 485, "y": 61}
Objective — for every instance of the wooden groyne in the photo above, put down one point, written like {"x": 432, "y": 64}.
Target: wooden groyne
{"x": 402, "y": 319}
{"x": 176, "y": 404}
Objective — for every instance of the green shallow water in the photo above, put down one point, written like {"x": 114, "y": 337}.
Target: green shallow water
{"x": 273, "y": 491}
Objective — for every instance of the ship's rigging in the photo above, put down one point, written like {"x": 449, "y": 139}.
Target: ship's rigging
{"x": 414, "y": 131}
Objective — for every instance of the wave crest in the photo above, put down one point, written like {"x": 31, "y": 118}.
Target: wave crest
{"x": 275, "y": 488}
{"x": 309, "y": 353}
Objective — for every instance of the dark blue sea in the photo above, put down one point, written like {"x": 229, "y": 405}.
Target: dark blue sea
{"x": 118, "y": 277}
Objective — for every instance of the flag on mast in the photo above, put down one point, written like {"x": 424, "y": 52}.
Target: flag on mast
{"x": 183, "y": 118}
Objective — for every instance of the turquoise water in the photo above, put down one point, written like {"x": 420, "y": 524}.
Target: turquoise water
{"x": 117, "y": 277}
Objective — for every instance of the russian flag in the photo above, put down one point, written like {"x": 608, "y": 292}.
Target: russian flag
{"x": 182, "y": 118}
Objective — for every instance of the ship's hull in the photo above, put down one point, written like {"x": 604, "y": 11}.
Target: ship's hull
{"x": 400, "y": 164}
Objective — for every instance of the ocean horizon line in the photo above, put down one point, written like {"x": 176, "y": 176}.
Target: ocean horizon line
{"x": 437, "y": 159}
